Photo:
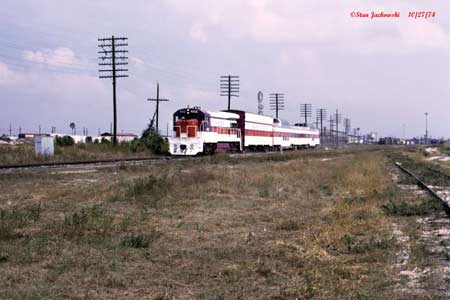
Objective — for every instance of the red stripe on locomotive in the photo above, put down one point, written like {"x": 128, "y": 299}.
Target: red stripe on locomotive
{"x": 186, "y": 126}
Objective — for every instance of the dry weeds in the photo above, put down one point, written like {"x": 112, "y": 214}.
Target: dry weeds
{"x": 291, "y": 226}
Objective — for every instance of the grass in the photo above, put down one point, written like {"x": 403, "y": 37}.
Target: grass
{"x": 289, "y": 225}
{"x": 285, "y": 226}
{"x": 426, "y": 206}
{"x": 15, "y": 218}
{"x": 141, "y": 240}
{"x": 24, "y": 154}
{"x": 432, "y": 173}
{"x": 444, "y": 148}
{"x": 94, "y": 220}
{"x": 265, "y": 186}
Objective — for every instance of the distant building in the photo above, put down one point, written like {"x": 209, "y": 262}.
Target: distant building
{"x": 389, "y": 141}
{"x": 31, "y": 135}
{"x": 121, "y": 137}
{"x": 79, "y": 139}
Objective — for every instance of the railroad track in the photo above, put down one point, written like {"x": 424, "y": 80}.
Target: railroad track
{"x": 86, "y": 164}
{"x": 105, "y": 163}
{"x": 437, "y": 192}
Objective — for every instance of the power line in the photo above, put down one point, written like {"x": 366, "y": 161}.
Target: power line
{"x": 305, "y": 112}
{"x": 276, "y": 102}
{"x": 157, "y": 100}
{"x": 331, "y": 121}
{"x": 337, "y": 119}
{"x": 109, "y": 48}
{"x": 321, "y": 116}
{"x": 61, "y": 68}
{"x": 165, "y": 71}
{"x": 229, "y": 87}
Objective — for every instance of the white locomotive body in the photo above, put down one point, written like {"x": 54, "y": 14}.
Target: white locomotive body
{"x": 197, "y": 131}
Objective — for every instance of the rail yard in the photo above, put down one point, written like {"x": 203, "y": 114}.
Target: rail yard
{"x": 314, "y": 224}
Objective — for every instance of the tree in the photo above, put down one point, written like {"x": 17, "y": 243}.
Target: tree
{"x": 153, "y": 141}
{"x": 64, "y": 141}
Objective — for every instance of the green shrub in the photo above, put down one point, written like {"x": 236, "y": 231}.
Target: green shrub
{"x": 64, "y": 141}
{"x": 361, "y": 244}
{"x": 326, "y": 189}
{"x": 94, "y": 219}
{"x": 402, "y": 208}
{"x": 289, "y": 225}
{"x": 15, "y": 218}
{"x": 140, "y": 240}
{"x": 265, "y": 186}
{"x": 136, "y": 146}
{"x": 149, "y": 190}
{"x": 153, "y": 141}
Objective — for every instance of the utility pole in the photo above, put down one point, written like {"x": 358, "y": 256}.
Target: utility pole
{"x": 305, "y": 112}
{"x": 110, "y": 47}
{"x": 330, "y": 140}
{"x": 337, "y": 119}
{"x": 276, "y": 102}
{"x": 426, "y": 128}
{"x": 157, "y": 100}
{"x": 321, "y": 114}
{"x": 229, "y": 87}
{"x": 10, "y": 130}
{"x": 404, "y": 130}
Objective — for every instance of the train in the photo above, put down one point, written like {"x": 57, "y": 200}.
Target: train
{"x": 196, "y": 131}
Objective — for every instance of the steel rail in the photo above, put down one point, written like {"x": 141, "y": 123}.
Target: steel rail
{"x": 79, "y": 162}
{"x": 421, "y": 183}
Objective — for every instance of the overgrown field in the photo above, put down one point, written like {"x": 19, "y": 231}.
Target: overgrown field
{"x": 24, "y": 154}
{"x": 291, "y": 226}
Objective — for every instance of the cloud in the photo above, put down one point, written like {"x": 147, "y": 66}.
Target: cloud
{"x": 425, "y": 34}
{"x": 311, "y": 24}
{"x": 59, "y": 57}
{"x": 137, "y": 63}
{"x": 7, "y": 76}
{"x": 197, "y": 33}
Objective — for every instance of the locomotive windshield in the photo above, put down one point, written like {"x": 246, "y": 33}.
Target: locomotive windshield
{"x": 188, "y": 114}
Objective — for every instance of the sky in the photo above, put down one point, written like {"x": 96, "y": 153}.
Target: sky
{"x": 383, "y": 73}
